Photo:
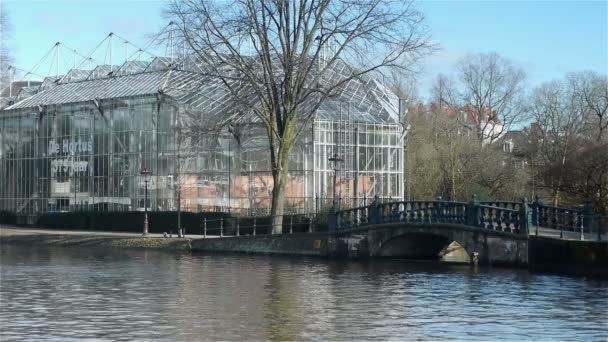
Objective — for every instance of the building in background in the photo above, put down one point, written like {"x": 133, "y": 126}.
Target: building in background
{"x": 79, "y": 142}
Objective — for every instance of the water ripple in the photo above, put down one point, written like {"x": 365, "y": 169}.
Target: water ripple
{"x": 79, "y": 295}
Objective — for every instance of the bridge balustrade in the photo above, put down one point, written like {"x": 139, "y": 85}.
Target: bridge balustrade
{"x": 402, "y": 211}
{"x": 559, "y": 218}
{"x": 504, "y": 216}
{"x": 507, "y": 220}
{"x": 546, "y": 216}
{"x": 504, "y": 204}
{"x": 352, "y": 218}
{"x": 422, "y": 212}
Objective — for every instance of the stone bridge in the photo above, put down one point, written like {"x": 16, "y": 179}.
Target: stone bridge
{"x": 484, "y": 232}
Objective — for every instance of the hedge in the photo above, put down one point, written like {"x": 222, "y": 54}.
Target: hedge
{"x": 7, "y": 217}
{"x": 165, "y": 221}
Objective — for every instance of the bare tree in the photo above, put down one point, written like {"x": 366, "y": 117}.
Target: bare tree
{"x": 491, "y": 93}
{"x": 447, "y": 161}
{"x": 586, "y": 176}
{"x": 6, "y": 57}
{"x": 444, "y": 92}
{"x": 568, "y": 136}
{"x": 559, "y": 116}
{"x": 280, "y": 60}
{"x": 591, "y": 94}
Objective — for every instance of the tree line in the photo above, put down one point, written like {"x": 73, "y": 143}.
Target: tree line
{"x": 483, "y": 132}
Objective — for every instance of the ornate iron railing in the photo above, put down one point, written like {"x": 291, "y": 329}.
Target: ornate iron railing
{"x": 500, "y": 219}
{"x": 429, "y": 212}
{"x": 504, "y": 216}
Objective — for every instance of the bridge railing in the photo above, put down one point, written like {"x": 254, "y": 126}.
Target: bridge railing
{"x": 509, "y": 217}
{"x": 506, "y": 216}
{"x": 558, "y": 219}
{"x": 421, "y": 212}
{"x": 402, "y": 211}
{"x": 515, "y": 205}
{"x": 352, "y": 218}
{"x": 509, "y": 220}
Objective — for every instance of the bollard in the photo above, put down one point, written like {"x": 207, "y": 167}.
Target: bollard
{"x": 221, "y": 227}
{"x": 254, "y": 226}
{"x": 582, "y": 228}
{"x": 537, "y": 220}
{"x": 291, "y": 225}
{"x": 205, "y": 228}
{"x": 525, "y": 217}
{"x": 238, "y": 230}
{"x": 588, "y": 219}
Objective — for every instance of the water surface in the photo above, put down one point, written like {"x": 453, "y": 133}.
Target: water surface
{"x": 78, "y": 294}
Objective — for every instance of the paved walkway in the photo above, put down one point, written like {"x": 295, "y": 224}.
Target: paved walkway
{"x": 568, "y": 235}
{"x": 12, "y": 230}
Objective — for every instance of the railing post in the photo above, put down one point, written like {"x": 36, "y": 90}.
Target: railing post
{"x": 254, "y": 219}
{"x": 291, "y": 224}
{"x": 580, "y": 223}
{"x": 238, "y": 228}
{"x": 205, "y": 227}
{"x": 333, "y": 219}
{"x": 221, "y": 227}
{"x": 473, "y": 212}
{"x": 588, "y": 218}
{"x": 525, "y": 218}
{"x": 439, "y": 210}
{"x": 372, "y": 213}
{"x": 379, "y": 210}
{"x": 536, "y": 213}
{"x": 310, "y": 224}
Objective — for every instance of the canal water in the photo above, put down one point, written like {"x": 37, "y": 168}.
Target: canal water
{"x": 78, "y": 294}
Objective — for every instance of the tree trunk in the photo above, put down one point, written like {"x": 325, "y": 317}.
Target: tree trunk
{"x": 279, "y": 175}
{"x": 278, "y": 206}
{"x": 278, "y": 196}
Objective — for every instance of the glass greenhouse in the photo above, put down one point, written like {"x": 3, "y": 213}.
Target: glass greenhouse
{"x": 79, "y": 142}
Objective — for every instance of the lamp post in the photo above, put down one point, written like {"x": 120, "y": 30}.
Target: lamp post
{"x": 335, "y": 159}
{"x": 145, "y": 174}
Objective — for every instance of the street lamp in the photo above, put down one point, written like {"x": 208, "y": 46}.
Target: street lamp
{"x": 335, "y": 160}
{"x": 145, "y": 174}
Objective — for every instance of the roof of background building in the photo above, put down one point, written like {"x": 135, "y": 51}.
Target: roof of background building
{"x": 16, "y": 86}
{"x": 361, "y": 100}
{"x": 469, "y": 113}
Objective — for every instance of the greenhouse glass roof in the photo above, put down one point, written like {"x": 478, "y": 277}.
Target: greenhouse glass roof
{"x": 361, "y": 100}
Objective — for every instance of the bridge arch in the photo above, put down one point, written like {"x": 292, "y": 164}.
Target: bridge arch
{"x": 424, "y": 242}
{"x": 491, "y": 234}
{"x": 424, "y": 246}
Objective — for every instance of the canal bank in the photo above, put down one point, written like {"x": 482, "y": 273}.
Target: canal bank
{"x": 568, "y": 256}
{"x": 107, "y": 240}
{"x": 310, "y": 244}
{"x": 544, "y": 254}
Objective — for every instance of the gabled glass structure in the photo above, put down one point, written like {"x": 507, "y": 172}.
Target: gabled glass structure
{"x": 79, "y": 142}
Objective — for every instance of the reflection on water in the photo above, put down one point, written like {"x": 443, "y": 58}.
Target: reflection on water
{"x": 76, "y": 294}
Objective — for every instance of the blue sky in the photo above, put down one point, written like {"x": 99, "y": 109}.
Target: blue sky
{"x": 546, "y": 38}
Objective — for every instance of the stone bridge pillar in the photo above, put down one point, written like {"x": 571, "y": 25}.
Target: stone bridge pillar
{"x": 403, "y": 240}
